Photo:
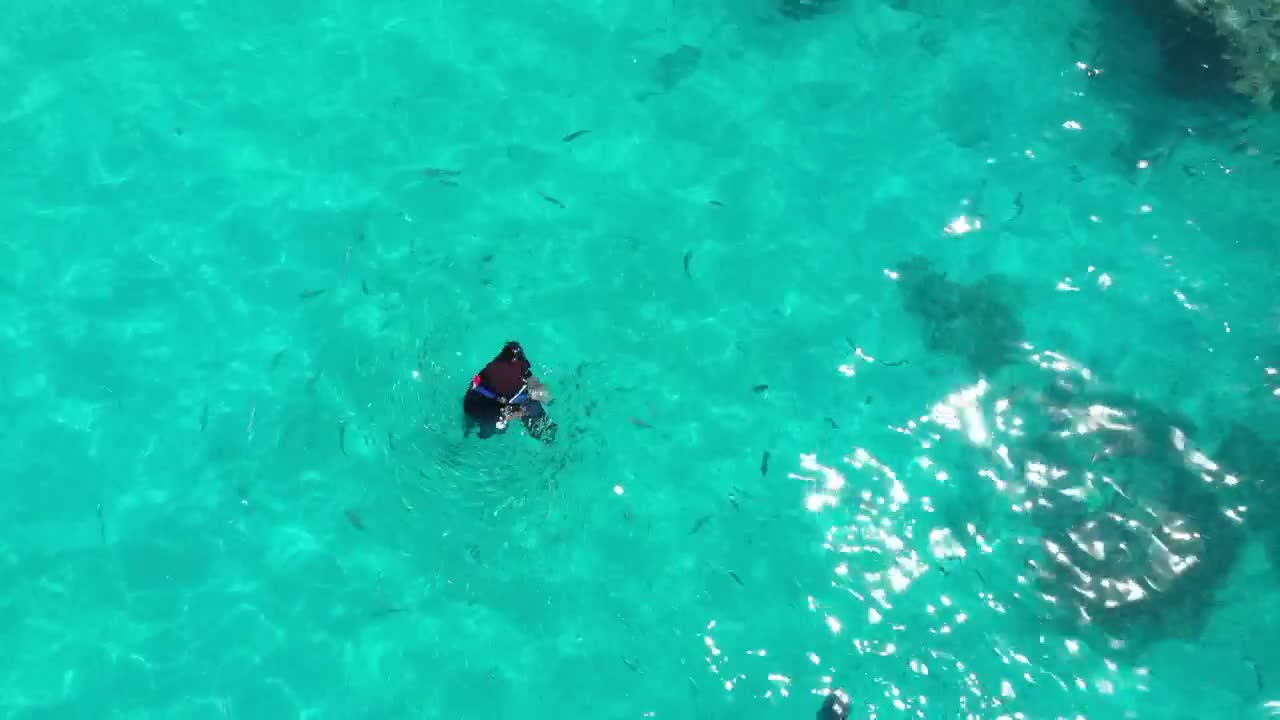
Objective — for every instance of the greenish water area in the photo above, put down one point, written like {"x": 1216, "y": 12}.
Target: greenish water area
{"x": 926, "y": 350}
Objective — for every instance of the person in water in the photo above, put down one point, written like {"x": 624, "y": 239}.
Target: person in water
{"x": 835, "y": 707}
{"x": 504, "y": 390}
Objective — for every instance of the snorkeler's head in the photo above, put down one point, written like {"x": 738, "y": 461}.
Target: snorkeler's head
{"x": 835, "y": 707}
{"x": 511, "y": 351}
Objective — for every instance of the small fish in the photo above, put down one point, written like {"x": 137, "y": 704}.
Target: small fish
{"x": 736, "y": 579}
{"x": 688, "y": 257}
{"x": 433, "y": 172}
{"x": 204, "y": 416}
{"x": 574, "y": 135}
{"x": 698, "y": 525}
{"x": 308, "y": 294}
{"x": 448, "y": 183}
{"x": 275, "y": 359}
{"x": 354, "y": 518}
{"x": 342, "y": 437}
{"x": 364, "y": 286}
{"x": 717, "y": 203}
{"x": 895, "y": 363}
{"x": 102, "y": 526}
{"x": 385, "y": 612}
{"x": 551, "y": 200}
{"x": 1257, "y": 674}
{"x": 640, "y": 423}
{"x": 764, "y": 464}
{"x": 391, "y": 441}
{"x": 759, "y": 388}
{"x": 734, "y": 502}
{"x": 632, "y": 665}
{"x": 1017, "y": 203}
{"x": 833, "y": 424}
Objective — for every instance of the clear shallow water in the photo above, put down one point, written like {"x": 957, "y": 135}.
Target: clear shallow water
{"x": 1009, "y": 309}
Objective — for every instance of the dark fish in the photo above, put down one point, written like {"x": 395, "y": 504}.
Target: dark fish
{"x": 1257, "y": 674}
{"x": 574, "y": 135}
{"x": 354, "y": 518}
{"x": 717, "y": 203}
{"x": 688, "y": 256}
{"x": 486, "y": 258}
{"x": 640, "y": 423}
{"x": 275, "y": 359}
{"x": 1017, "y": 203}
{"x": 432, "y": 172}
{"x": 734, "y": 502}
{"x": 759, "y": 388}
{"x": 364, "y": 286}
{"x": 895, "y": 363}
{"x": 632, "y": 665}
{"x": 391, "y": 441}
{"x": 764, "y": 464}
{"x": 102, "y": 526}
{"x": 448, "y": 183}
{"x": 342, "y": 437}
{"x": 308, "y": 294}
{"x": 385, "y": 612}
{"x": 204, "y": 416}
{"x": 833, "y": 424}
{"x": 736, "y": 579}
{"x": 698, "y": 525}
{"x": 551, "y": 200}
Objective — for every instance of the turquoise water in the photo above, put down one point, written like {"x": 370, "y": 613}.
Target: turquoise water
{"x": 1012, "y": 296}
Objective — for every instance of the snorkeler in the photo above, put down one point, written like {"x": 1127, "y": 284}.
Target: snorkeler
{"x": 506, "y": 389}
{"x": 835, "y": 707}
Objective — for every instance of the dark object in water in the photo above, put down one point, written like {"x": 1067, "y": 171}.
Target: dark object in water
{"x": 736, "y": 579}
{"x": 835, "y": 707}
{"x": 672, "y": 68}
{"x": 759, "y": 388}
{"x": 806, "y": 9}
{"x": 308, "y": 294}
{"x": 698, "y": 525}
{"x": 977, "y": 321}
{"x": 354, "y": 518}
{"x": 764, "y": 464}
{"x": 574, "y": 135}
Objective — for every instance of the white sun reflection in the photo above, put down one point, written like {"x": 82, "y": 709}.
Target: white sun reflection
{"x": 932, "y": 595}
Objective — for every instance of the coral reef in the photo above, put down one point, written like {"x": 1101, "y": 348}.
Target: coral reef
{"x": 1256, "y": 465}
{"x": 1252, "y": 27}
{"x": 1141, "y": 558}
{"x": 974, "y": 321}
